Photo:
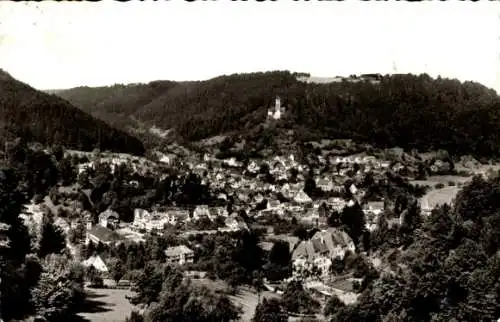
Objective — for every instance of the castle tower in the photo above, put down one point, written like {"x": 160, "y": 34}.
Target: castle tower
{"x": 277, "y": 108}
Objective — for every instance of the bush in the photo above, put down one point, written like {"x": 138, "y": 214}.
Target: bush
{"x": 38, "y": 199}
{"x": 97, "y": 282}
{"x": 451, "y": 183}
{"x": 439, "y": 186}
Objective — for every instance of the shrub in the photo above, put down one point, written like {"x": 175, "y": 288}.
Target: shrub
{"x": 38, "y": 199}
{"x": 439, "y": 186}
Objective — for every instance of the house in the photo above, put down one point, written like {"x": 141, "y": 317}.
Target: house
{"x": 232, "y": 162}
{"x": 266, "y": 246}
{"x": 4, "y": 239}
{"x": 336, "y": 203}
{"x": 372, "y": 78}
{"x": 321, "y": 249}
{"x": 201, "y": 212}
{"x": 279, "y": 167}
{"x": 324, "y": 184}
{"x": 253, "y": 167}
{"x": 176, "y": 215}
{"x": 179, "y": 255}
{"x": 97, "y": 263}
{"x": 273, "y": 204}
{"x": 109, "y": 218}
{"x": 235, "y": 223}
{"x": 302, "y": 197}
{"x": 150, "y": 221}
{"x": 310, "y": 216}
{"x": 374, "y": 207}
{"x": 290, "y": 190}
{"x": 231, "y": 223}
{"x": 258, "y": 198}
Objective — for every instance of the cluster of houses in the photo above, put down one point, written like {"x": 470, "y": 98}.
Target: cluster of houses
{"x": 245, "y": 188}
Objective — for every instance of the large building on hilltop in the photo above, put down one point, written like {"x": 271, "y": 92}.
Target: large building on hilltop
{"x": 276, "y": 112}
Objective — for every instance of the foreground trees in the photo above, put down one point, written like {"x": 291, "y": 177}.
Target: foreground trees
{"x": 449, "y": 271}
{"x": 172, "y": 298}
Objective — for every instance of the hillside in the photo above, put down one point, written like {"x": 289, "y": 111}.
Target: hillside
{"x": 48, "y": 119}
{"x": 409, "y": 111}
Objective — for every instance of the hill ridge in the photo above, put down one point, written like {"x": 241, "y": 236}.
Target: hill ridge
{"x": 50, "y": 119}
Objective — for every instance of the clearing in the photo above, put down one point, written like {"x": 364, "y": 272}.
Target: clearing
{"x": 106, "y": 305}
{"x": 438, "y": 197}
{"x": 245, "y": 298}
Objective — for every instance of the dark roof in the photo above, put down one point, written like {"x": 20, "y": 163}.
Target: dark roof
{"x": 104, "y": 234}
{"x": 319, "y": 247}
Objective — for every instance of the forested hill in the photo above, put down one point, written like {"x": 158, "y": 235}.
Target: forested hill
{"x": 402, "y": 110}
{"x": 48, "y": 119}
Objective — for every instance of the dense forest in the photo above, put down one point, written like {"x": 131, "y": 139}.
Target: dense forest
{"x": 445, "y": 267}
{"x": 48, "y": 119}
{"x": 401, "y": 110}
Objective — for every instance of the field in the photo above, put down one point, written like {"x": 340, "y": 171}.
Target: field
{"x": 439, "y": 197}
{"x": 433, "y": 180}
{"x": 106, "y": 305}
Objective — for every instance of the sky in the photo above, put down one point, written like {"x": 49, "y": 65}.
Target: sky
{"x": 52, "y": 45}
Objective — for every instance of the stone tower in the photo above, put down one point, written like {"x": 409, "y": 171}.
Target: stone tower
{"x": 277, "y": 108}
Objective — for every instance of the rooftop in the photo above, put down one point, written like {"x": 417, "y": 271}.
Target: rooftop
{"x": 178, "y": 250}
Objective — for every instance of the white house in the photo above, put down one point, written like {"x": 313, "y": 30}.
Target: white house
{"x": 302, "y": 197}
{"x": 324, "y": 184}
{"x": 321, "y": 249}
{"x": 109, "y": 218}
{"x": 202, "y": 211}
{"x": 179, "y": 255}
{"x": 97, "y": 263}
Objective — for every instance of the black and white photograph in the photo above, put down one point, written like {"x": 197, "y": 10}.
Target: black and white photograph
{"x": 249, "y": 160}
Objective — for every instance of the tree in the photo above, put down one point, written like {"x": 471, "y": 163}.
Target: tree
{"x": 59, "y": 293}
{"x": 67, "y": 172}
{"x": 354, "y": 219}
{"x": 258, "y": 283}
{"x": 280, "y": 253}
{"x": 310, "y": 186}
{"x": 94, "y": 277}
{"x": 333, "y": 304}
{"x": 270, "y": 311}
{"x": 300, "y": 232}
{"x": 77, "y": 235}
{"x": 135, "y": 317}
{"x": 116, "y": 268}
{"x": 16, "y": 273}
{"x": 52, "y": 240}
{"x": 296, "y": 299}
{"x": 57, "y": 151}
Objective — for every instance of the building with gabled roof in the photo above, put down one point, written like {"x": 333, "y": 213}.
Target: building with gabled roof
{"x": 97, "y": 262}
{"x": 321, "y": 249}
{"x": 99, "y": 234}
{"x": 179, "y": 255}
{"x": 302, "y": 197}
